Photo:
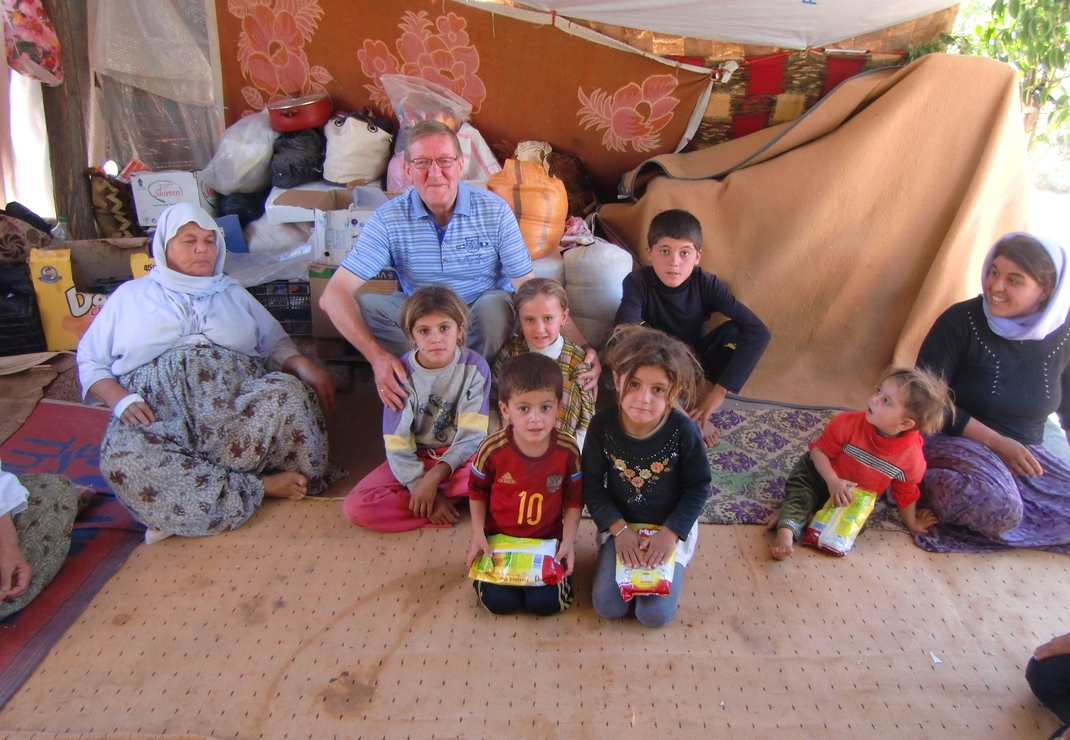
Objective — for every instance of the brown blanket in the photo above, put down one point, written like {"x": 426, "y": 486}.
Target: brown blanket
{"x": 849, "y": 230}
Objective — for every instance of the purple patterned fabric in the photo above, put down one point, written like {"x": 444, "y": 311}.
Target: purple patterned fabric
{"x": 983, "y": 507}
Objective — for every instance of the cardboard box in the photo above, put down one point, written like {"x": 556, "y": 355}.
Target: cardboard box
{"x": 287, "y": 206}
{"x": 385, "y": 283}
{"x": 61, "y": 278}
{"x": 155, "y": 191}
{"x": 338, "y": 216}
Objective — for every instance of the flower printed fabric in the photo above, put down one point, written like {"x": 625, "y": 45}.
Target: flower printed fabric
{"x": 639, "y": 477}
{"x": 31, "y": 41}
{"x": 271, "y": 49}
{"x": 438, "y": 51}
{"x": 633, "y": 115}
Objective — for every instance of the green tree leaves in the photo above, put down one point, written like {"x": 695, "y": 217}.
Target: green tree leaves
{"x": 1034, "y": 36}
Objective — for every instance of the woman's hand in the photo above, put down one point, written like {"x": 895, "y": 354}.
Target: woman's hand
{"x": 110, "y": 392}
{"x": 1055, "y": 646}
{"x": 314, "y": 376}
{"x": 138, "y": 412}
{"x": 1016, "y": 456}
{"x": 659, "y": 547}
{"x": 15, "y": 571}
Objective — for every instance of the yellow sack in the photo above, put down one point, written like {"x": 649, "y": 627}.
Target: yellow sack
{"x": 655, "y": 581}
{"x": 538, "y": 200}
{"x": 518, "y": 561}
{"x": 834, "y": 528}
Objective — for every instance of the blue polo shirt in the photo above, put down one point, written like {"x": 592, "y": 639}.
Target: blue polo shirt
{"x": 479, "y": 250}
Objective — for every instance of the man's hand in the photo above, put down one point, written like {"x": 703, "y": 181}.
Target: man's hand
{"x": 389, "y": 376}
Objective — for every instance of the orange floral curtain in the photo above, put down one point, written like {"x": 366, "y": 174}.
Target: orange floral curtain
{"x": 526, "y": 80}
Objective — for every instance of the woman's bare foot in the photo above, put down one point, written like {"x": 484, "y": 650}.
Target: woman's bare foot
{"x": 152, "y": 536}
{"x": 782, "y": 546}
{"x": 293, "y": 486}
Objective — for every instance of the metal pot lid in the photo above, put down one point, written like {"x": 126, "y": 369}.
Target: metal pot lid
{"x": 295, "y": 102}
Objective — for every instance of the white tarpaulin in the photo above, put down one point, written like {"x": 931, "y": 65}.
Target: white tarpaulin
{"x": 793, "y": 24}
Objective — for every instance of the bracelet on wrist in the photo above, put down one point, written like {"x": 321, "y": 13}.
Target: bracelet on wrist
{"x": 620, "y": 531}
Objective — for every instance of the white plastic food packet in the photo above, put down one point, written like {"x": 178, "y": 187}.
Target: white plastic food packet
{"x": 834, "y": 528}
{"x": 645, "y": 581}
{"x": 518, "y": 561}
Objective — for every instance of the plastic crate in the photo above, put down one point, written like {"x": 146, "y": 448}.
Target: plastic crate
{"x": 290, "y": 302}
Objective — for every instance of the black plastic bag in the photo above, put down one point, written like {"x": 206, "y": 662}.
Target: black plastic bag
{"x": 20, "y": 321}
{"x": 298, "y": 158}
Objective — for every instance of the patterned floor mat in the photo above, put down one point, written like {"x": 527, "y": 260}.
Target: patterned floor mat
{"x": 760, "y": 442}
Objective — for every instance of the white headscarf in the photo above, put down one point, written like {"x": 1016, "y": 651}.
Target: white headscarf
{"x": 171, "y": 220}
{"x": 1042, "y": 323}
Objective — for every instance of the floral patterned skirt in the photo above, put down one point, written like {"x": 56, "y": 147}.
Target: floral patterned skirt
{"x": 44, "y": 531}
{"x": 222, "y": 423}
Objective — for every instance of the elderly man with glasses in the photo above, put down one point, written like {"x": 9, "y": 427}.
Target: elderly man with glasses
{"x": 441, "y": 231}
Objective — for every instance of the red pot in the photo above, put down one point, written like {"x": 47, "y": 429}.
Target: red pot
{"x": 295, "y": 114}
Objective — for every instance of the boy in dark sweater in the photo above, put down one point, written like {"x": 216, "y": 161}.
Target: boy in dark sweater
{"x": 677, "y": 296}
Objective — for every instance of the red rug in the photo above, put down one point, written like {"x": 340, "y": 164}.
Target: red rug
{"x": 64, "y": 438}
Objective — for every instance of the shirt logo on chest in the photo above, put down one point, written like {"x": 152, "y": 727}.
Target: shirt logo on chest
{"x": 507, "y": 479}
{"x": 474, "y": 252}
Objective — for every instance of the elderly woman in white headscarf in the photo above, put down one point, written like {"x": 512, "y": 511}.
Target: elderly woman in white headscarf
{"x": 1006, "y": 356}
{"x": 203, "y": 431}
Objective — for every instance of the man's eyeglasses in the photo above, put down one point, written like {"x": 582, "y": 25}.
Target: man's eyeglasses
{"x": 423, "y": 163}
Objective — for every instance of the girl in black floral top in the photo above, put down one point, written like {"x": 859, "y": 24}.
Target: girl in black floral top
{"x": 644, "y": 462}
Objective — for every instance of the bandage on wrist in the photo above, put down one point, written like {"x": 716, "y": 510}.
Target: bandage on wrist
{"x": 125, "y": 403}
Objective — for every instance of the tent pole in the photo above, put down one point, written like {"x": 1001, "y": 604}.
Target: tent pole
{"x": 66, "y": 109}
